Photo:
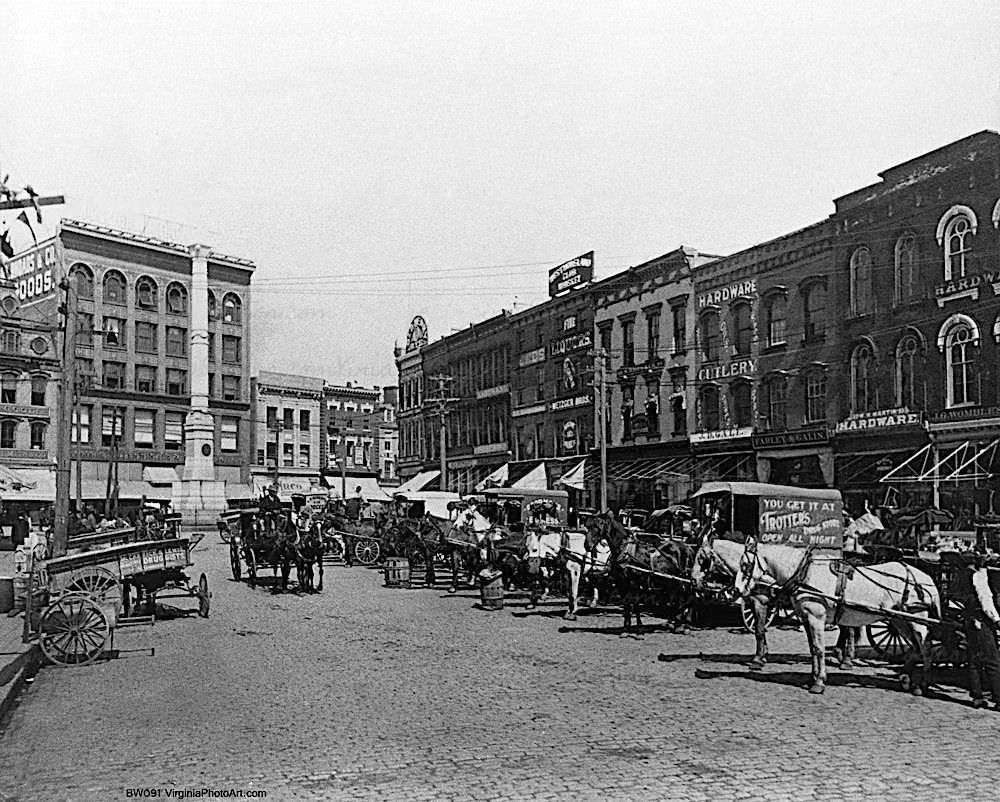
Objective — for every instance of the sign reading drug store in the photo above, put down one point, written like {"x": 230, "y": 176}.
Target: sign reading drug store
{"x": 801, "y": 522}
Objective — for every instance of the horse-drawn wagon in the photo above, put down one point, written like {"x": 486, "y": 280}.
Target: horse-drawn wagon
{"x": 258, "y": 539}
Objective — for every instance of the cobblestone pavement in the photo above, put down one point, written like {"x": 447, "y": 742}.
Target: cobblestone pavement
{"x": 365, "y": 692}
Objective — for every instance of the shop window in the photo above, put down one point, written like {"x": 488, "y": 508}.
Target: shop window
{"x": 38, "y": 430}
{"x": 652, "y": 336}
{"x": 708, "y": 408}
{"x": 229, "y": 435}
{"x": 960, "y": 341}
{"x": 814, "y": 312}
{"x": 711, "y": 335}
{"x": 230, "y": 388}
{"x": 143, "y": 427}
{"x": 145, "y": 337}
{"x": 8, "y": 434}
{"x": 81, "y": 424}
{"x": 38, "y": 387}
{"x": 176, "y": 299}
{"x": 863, "y": 385}
{"x": 741, "y": 401}
{"x": 815, "y": 396}
{"x": 173, "y": 431}
{"x": 145, "y": 379}
{"x": 905, "y": 270}
{"x": 955, "y": 231}
{"x": 176, "y": 341}
{"x": 628, "y": 343}
{"x": 861, "y": 282}
{"x": 176, "y": 381}
{"x": 114, "y": 288}
{"x": 908, "y": 380}
{"x": 232, "y": 309}
{"x": 146, "y": 294}
{"x": 742, "y": 329}
{"x": 112, "y": 425}
{"x": 777, "y": 403}
{"x": 8, "y": 388}
{"x": 84, "y": 278}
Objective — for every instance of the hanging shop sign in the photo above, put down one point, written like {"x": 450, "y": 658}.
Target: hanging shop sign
{"x": 963, "y": 413}
{"x": 571, "y": 343}
{"x": 531, "y": 357}
{"x": 742, "y": 289}
{"x": 796, "y": 437}
{"x": 721, "y": 434}
{"x": 569, "y": 403}
{"x": 739, "y": 367}
{"x": 801, "y": 522}
{"x": 569, "y": 437}
{"x": 571, "y": 274}
{"x": 879, "y": 419}
{"x": 34, "y": 272}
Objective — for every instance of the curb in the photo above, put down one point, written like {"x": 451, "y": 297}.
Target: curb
{"x": 14, "y": 675}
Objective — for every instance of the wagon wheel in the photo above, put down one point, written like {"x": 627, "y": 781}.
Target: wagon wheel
{"x": 73, "y": 630}
{"x": 251, "y": 567}
{"x": 97, "y": 582}
{"x": 749, "y": 619}
{"x": 234, "y": 559}
{"x": 887, "y": 639}
{"x": 204, "y": 597}
{"x": 367, "y": 551}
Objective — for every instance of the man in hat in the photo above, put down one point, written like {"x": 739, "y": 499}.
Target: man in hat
{"x": 270, "y": 507}
{"x": 981, "y": 623}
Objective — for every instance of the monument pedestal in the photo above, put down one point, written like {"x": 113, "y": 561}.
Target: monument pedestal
{"x": 199, "y": 497}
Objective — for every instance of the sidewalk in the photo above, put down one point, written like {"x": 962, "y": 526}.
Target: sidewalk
{"x": 17, "y": 660}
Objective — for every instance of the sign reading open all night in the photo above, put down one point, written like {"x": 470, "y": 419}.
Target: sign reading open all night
{"x": 801, "y": 522}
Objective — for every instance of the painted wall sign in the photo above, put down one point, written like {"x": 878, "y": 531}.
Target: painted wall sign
{"x": 721, "y": 434}
{"x": 723, "y": 295}
{"x": 879, "y": 419}
{"x": 571, "y": 343}
{"x": 796, "y": 437}
{"x": 964, "y": 413}
{"x": 569, "y": 403}
{"x": 967, "y": 287}
{"x": 739, "y": 367}
{"x": 801, "y": 522}
{"x": 571, "y": 274}
{"x": 532, "y": 410}
{"x": 35, "y": 272}
{"x": 569, "y": 437}
{"x": 531, "y": 357}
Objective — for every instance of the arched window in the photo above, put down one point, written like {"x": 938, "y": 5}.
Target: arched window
{"x": 146, "y": 294}
{"x": 863, "y": 378}
{"x": 814, "y": 311}
{"x": 114, "y": 287}
{"x": 10, "y": 341}
{"x": 711, "y": 335}
{"x": 815, "y": 387}
{"x": 961, "y": 352}
{"x": 742, "y": 329}
{"x": 38, "y": 435}
{"x": 232, "y": 309}
{"x": 861, "y": 282}
{"x": 213, "y": 309}
{"x": 954, "y": 233}
{"x": 8, "y": 434}
{"x": 777, "y": 403}
{"x": 176, "y": 299}
{"x": 775, "y": 315}
{"x": 741, "y": 403}
{"x": 906, "y": 289}
{"x": 84, "y": 278}
{"x": 708, "y": 407}
{"x": 908, "y": 382}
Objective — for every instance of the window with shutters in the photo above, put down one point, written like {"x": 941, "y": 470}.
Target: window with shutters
{"x": 230, "y": 388}
{"x": 229, "y": 439}
{"x": 81, "y": 424}
{"x": 143, "y": 427}
{"x": 112, "y": 425}
{"x": 173, "y": 431}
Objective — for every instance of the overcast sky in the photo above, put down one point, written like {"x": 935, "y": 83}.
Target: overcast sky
{"x": 379, "y": 161}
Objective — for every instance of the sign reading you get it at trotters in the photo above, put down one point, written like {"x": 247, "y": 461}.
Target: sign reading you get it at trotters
{"x": 801, "y": 522}
{"x": 571, "y": 274}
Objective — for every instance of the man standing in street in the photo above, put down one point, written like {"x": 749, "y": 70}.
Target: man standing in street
{"x": 981, "y": 624}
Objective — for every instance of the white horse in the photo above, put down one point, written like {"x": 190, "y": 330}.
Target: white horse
{"x": 825, "y": 589}
{"x": 582, "y": 560}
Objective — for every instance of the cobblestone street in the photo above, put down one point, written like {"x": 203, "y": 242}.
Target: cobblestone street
{"x": 364, "y": 692}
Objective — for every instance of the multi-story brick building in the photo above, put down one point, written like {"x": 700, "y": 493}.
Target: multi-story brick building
{"x": 918, "y": 266}
{"x": 351, "y": 424}
{"x": 410, "y": 369}
{"x": 387, "y": 438}
{"x": 141, "y": 340}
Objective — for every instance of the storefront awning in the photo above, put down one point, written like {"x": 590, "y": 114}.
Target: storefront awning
{"x": 418, "y": 482}
{"x": 642, "y": 469}
{"x": 287, "y": 485}
{"x": 27, "y": 484}
{"x": 497, "y": 478}
{"x": 535, "y": 479}
{"x": 159, "y": 475}
{"x": 574, "y": 478}
{"x": 966, "y": 462}
{"x": 370, "y": 488}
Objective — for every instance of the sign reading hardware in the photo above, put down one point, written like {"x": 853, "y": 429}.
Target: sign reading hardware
{"x": 880, "y": 419}
{"x": 571, "y": 274}
{"x": 742, "y": 289}
{"x": 967, "y": 286}
{"x": 740, "y": 367}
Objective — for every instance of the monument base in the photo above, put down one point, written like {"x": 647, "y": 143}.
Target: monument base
{"x": 199, "y": 502}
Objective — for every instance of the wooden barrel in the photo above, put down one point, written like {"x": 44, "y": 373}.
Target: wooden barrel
{"x": 491, "y": 592}
{"x": 19, "y": 591}
{"x": 397, "y": 572}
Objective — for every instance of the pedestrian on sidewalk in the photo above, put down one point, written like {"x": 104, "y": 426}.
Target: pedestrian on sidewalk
{"x": 981, "y": 624}
{"x": 20, "y": 530}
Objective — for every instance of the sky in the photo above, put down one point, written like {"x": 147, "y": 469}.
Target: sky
{"x": 382, "y": 160}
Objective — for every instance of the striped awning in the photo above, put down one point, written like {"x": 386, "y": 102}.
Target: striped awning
{"x": 642, "y": 469}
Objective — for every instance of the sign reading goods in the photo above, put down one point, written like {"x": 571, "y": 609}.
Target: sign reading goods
{"x": 34, "y": 272}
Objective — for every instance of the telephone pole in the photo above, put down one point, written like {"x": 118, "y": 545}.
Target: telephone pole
{"x": 440, "y": 403}
{"x": 600, "y": 357}
{"x": 67, "y": 386}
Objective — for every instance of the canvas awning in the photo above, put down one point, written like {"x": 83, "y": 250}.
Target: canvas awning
{"x": 640, "y": 469}
{"x": 496, "y": 479}
{"x": 27, "y": 484}
{"x": 370, "y": 488}
{"x": 237, "y": 491}
{"x": 966, "y": 462}
{"x": 418, "y": 482}
{"x": 159, "y": 475}
{"x": 574, "y": 477}
{"x": 128, "y": 490}
{"x": 287, "y": 485}
{"x": 535, "y": 479}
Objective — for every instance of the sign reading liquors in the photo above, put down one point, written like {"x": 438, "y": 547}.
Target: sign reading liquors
{"x": 801, "y": 522}
{"x": 571, "y": 343}
{"x": 880, "y": 419}
{"x": 571, "y": 274}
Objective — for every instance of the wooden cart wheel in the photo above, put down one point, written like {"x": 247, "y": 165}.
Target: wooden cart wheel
{"x": 887, "y": 639}
{"x": 97, "y": 582}
{"x": 234, "y": 559}
{"x": 749, "y": 619}
{"x": 251, "y": 567}
{"x": 367, "y": 551}
{"x": 73, "y": 630}
{"x": 204, "y": 597}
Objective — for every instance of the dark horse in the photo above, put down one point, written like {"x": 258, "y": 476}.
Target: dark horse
{"x": 283, "y": 538}
{"x": 637, "y": 571}
{"x": 464, "y": 549}
{"x": 312, "y": 547}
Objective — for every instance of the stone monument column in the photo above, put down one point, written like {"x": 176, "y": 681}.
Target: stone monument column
{"x": 198, "y": 496}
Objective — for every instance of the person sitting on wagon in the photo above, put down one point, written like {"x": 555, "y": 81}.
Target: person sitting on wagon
{"x": 270, "y": 507}
{"x": 981, "y": 623}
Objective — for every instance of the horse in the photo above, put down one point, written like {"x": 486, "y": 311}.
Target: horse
{"x": 824, "y": 589}
{"x": 312, "y": 547}
{"x": 469, "y": 548}
{"x": 628, "y": 553}
{"x": 284, "y": 551}
{"x": 583, "y": 560}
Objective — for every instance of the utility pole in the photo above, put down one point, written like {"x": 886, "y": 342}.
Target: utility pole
{"x": 441, "y": 402}
{"x": 67, "y": 385}
{"x": 602, "y": 401}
